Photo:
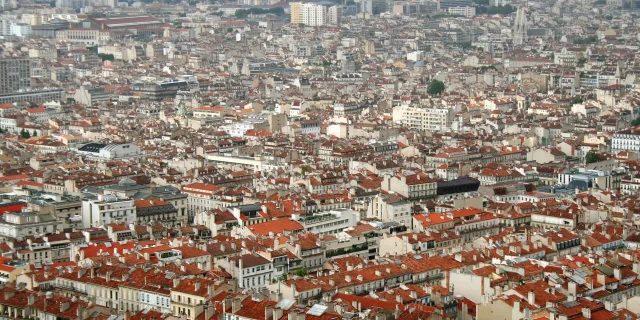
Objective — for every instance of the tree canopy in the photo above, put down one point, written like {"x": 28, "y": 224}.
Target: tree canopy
{"x": 243, "y": 13}
{"x": 506, "y": 9}
{"x": 301, "y": 272}
{"x": 25, "y": 134}
{"x": 592, "y": 157}
{"x": 104, "y": 57}
{"x": 586, "y": 40}
{"x": 435, "y": 87}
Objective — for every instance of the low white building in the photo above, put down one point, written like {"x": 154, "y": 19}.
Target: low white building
{"x": 424, "y": 118}
{"x": 328, "y": 222}
{"x": 251, "y": 270}
{"x": 107, "y": 209}
{"x": 110, "y": 151}
{"x": 387, "y": 208}
{"x": 626, "y": 140}
{"x": 25, "y": 224}
{"x": 463, "y": 11}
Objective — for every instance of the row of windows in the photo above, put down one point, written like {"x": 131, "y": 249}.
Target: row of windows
{"x": 145, "y": 297}
{"x": 256, "y": 281}
{"x": 254, "y": 269}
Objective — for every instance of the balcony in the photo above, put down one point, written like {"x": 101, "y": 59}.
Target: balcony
{"x": 354, "y": 248}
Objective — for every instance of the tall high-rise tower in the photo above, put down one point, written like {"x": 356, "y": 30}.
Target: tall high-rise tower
{"x": 15, "y": 74}
{"x": 520, "y": 26}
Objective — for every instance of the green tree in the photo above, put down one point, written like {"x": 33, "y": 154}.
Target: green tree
{"x": 577, "y": 100}
{"x": 25, "y": 134}
{"x": 636, "y": 122}
{"x": 587, "y": 40}
{"x": 243, "y": 13}
{"x": 592, "y": 157}
{"x": 229, "y": 30}
{"x": 35, "y": 133}
{"x": 105, "y": 57}
{"x": 302, "y": 272}
{"x": 435, "y": 87}
{"x": 506, "y": 9}
{"x": 582, "y": 61}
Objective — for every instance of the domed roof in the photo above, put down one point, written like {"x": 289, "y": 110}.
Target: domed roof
{"x": 127, "y": 182}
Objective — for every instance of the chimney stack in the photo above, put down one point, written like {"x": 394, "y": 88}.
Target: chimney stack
{"x": 531, "y": 298}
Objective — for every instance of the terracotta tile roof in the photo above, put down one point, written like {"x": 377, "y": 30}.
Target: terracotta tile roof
{"x": 275, "y": 226}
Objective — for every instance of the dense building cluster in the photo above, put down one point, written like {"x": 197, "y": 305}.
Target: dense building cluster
{"x": 318, "y": 160}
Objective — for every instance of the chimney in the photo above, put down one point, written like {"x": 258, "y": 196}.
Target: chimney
{"x": 226, "y": 303}
{"x": 572, "y": 288}
{"x": 293, "y": 315}
{"x": 236, "y": 304}
{"x": 64, "y": 306}
{"x": 176, "y": 282}
{"x": 347, "y": 278}
{"x": 197, "y": 285}
{"x": 211, "y": 290}
{"x": 209, "y": 311}
{"x": 586, "y": 312}
{"x": 277, "y": 313}
{"x": 268, "y": 313}
{"x": 531, "y": 298}
{"x": 32, "y": 299}
{"x": 80, "y": 312}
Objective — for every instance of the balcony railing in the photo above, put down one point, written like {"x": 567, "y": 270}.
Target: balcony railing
{"x": 342, "y": 251}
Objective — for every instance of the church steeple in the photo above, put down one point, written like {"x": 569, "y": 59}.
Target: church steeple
{"x": 619, "y": 74}
{"x": 520, "y": 26}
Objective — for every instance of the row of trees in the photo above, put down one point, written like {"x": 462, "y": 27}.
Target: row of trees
{"x": 587, "y": 40}
{"x": 506, "y": 9}
{"x": 243, "y": 13}
{"x": 25, "y": 134}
